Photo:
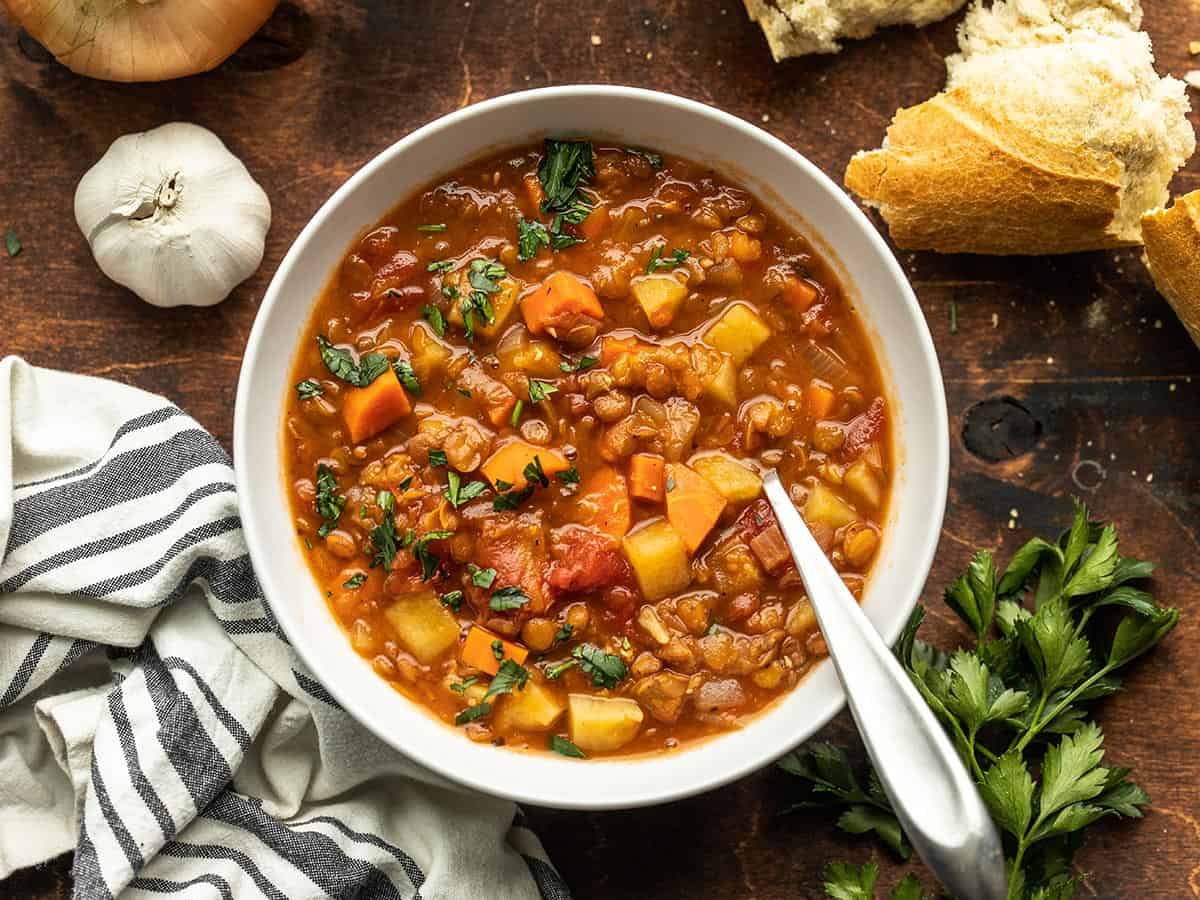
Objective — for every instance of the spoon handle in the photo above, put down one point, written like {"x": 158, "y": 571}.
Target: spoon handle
{"x": 931, "y": 792}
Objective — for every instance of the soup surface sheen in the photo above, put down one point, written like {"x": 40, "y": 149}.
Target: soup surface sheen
{"x": 525, "y": 444}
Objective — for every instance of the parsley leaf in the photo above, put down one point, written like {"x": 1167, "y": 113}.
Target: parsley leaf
{"x": 328, "y": 502}
{"x": 568, "y": 476}
{"x": 355, "y": 581}
{"x": 423, "y": 555}
{"x": 407, "y": 377}
{"x": 846, "y": 882}
{"x": 471, "y": 713}
{"x": 511, "y": 500}
{"x": 309, "y": 388}
{"x": 540, "y": 389}
{"x": 678, "y": 258}
{"x": 518, "y": 408}
{"x": 440, "y": 265}
{"x": 581, "y": 365}
{"x": 437, "y": 457}
{"x": 554, "y": 671}
{"x": 531, "y": 235}
{"x": 563, "y": 747}
{"x": 453, "y": 600}
{"x": 432, "y": 228}
{"x": 483, "y": 275}
{"x": 564, "y": 633}
{"x": 12, "y": 243}
{"x": 1015, "y": 703}
{"x": 565, "y": 166}
{"x": 498, "y": 649}
{"x": 534, "y": 472}
{"x": 655, "y": 160}
{"x": 604, "y": 669}
{"x": 460, "y": 687}
{"x": 383, "y": 539}
{"x": 436, "y": 320}
{"x": 511, "y": 676}
{"x": 341, "y": 363}
{"x": 481, "y": 578}
{"x": 507, "y": 598}
{"x": 458, "y": 493}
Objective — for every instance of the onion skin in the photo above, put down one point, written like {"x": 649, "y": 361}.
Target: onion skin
{"x": 141, "y": 40}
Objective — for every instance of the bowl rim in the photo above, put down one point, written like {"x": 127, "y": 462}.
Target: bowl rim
{"x": 830, "y": 704}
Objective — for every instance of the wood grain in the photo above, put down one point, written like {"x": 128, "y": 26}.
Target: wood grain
{"x": 1082, "y": 343}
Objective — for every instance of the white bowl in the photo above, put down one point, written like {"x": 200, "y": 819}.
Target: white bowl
{"x": 796, "y": 190}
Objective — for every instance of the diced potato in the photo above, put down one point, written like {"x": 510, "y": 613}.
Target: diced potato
{"x": 504, "y": 303}
{"x": 538, "y": 359}
{"x": 653, "y": 625}
{"x": 827, "y": 508}
{"x": 425, "y": 627}
{"x": 659, "y": 559}
{"x": 659, "y": 296}
{"x": 739, "y": 332}
{"x": 862, "y": 481}
{"x": 429, "y": 353}
{"x": 737, "y": 482}
{"x": 601, "y": 724}
{"x": 722, "y": 387}
{"x": 534, "y": 707}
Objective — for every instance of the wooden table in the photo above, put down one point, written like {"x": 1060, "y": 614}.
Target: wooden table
{"x": 1066, "y": 375}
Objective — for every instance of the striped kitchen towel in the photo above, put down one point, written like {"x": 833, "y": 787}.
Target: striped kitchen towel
{"x": 152, "y": 716}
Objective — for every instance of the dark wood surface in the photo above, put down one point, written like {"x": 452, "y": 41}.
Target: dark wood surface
{"x": 1067, "y": 375}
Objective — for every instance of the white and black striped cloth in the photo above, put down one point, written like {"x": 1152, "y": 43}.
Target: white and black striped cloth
{"x": 152, "y": 716}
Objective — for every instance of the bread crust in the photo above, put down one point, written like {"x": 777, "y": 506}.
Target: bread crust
{"x": 955, "y": 178}
{"x": 1172, "y": 238}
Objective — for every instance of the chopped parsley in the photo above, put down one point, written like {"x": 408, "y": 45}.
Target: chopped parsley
{"x": 421, "y": 553}
{"x": 516, "y": 414}
{"x": 604, "y": 669}
{"x": 453, "y": 600}
{"x": 535, "y": 473}
{"x": 677, "y": 259}
{"x": 540, "y": 389}
{"x": 510, "y": 500}
{"x": 386, "y": 501}
{"x": 12, "y": 243}
{"x": 436, "y": 320}
{"x": 498, "y": 648}
{"x": 507, "y": 598}
{"x": 435, "y": 227}
{"x": 563, "y": 747}
{"x": 355, "y": 581}
{"x": 581, "y": 365}
{"x": 502, "y": 485}
{"x": 437, "y": 457}
{"x": 511, "y": 676}
{"x": 655, "y": 160}
{"x": 458, "y": 493}
{"x": 555, "y": 671}
{"x": 564, "y": 633}
{"x": 471, "y": 713}
{"x": 463, "y": 391}
{"x": 328, "y": 502}
{"x": 484, "y": 277}
{"x": 482, "y": 578}
{"x": 341, "y": 363}
{"x": 440, "y": 265}
{"x": 531, "y": 235}
{"x": 309, "y": 388}
{"x": 565, "y": 166}
{"x": 383, "y": 539}
{"x": 407, "y": 377}
{"x": 405, "y": 484}
{"x": 568, "y": 476}
{"x": 449, "y": 290}
{"x": 460, "y": 687}
{"x": 561, "y": 240}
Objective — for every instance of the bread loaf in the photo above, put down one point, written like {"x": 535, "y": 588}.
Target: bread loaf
{"x": 796, "y": 27}
{"x": 1054, "y": 135}
{"x": 1173, "y": 256}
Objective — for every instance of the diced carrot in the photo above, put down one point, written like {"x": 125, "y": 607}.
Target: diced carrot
{"x": 818, "y": 399}
{"x": 604, "y": 503}
{"x": 558, "y": 301}
{"x": 593, "y": 226}
{"x": 533, "y": 189}
{"x": 612, "y": 348}
{"x": 646, "y": 476}
{"x": 479, "y": 650}
{"x": 799, "y": 293}
{"x": 508, "y": 463}
{"x": 693, "y": 505}
{"x": 370, "y": 410}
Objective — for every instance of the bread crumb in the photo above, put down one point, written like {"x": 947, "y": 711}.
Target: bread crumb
{"x": 597, "y": 40}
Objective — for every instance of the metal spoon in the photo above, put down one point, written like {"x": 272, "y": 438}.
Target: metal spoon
{"x": 931, "y": 792}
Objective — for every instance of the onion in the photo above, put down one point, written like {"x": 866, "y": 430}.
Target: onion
{"x": 141, "y": 40}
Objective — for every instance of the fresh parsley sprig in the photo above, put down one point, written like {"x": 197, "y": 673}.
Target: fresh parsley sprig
{"x": 1016, "y": 702}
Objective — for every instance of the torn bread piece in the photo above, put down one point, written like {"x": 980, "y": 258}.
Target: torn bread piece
{"x": 1053, "y": 135}
{"x": 1172, "y": 238}
{"x": 797, "y": 27}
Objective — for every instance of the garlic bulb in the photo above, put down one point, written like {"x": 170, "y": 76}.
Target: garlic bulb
{"x": 141, "y": 40}
{"x": 173, "y": 215}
